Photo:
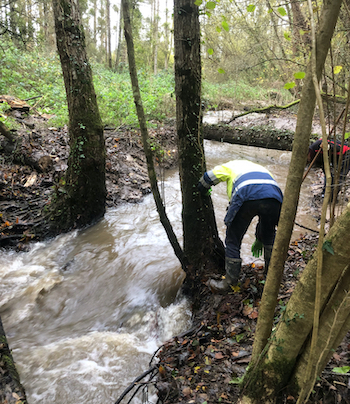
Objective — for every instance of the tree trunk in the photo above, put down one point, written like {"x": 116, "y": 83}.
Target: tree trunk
{"x": 166, "y": 39}
{"x": 156, "y": 23}
{"x": 11, "y": 390}
{"x": 117, "y": 58}
{"x": 145, "y": 139}
{"x": 288, "y": 350}
{"x": 83, "y": 198}
{"x": 201, "y": 241}
{"x": 266, "y": 138}
{"x": 327, "y": 24}
{"x": 109, "y": 50}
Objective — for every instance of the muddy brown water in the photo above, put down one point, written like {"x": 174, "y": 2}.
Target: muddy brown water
{"x": 85, "y": 312}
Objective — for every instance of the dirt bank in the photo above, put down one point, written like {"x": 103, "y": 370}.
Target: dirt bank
{"x": 24, "y": 191}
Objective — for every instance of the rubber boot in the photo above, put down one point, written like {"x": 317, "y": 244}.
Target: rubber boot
{"x": 267, "y": 256}
{"x": 232, "y": 268}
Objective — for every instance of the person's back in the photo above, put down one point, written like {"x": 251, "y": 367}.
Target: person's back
{"x": 252, "y": 191}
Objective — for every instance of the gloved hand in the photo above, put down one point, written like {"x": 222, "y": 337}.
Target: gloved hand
{"x": 257, "y": 248}
{"x": 203, "y": 190}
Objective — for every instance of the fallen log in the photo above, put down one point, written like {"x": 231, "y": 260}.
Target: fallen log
{"x": 11, "y": 389}
{"x": 267, "y": 138}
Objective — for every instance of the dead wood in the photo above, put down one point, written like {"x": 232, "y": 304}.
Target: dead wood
{"x": 264, "y": 110}
{"x": 15, "y": 103}
{"x": 267, "y": 138}
{"x": 5, "y": 132}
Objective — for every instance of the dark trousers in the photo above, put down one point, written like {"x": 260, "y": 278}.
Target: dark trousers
{"x": 345, "y": 168}
{"x": 268, "y": 211}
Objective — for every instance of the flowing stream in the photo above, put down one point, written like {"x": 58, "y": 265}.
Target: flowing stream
{"x": 85, "y": 312}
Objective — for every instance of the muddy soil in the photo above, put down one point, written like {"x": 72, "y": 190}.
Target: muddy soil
{"x": 24, "y": 191}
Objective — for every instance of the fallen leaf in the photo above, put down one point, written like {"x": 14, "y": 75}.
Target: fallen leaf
{"x": 186, "y": 391}
{"x": 219, "y": 355}
{"x": 253, "y": 314}
{"x": 336, "y": 357}
{"x": 247, "y": 310}
{"x": 161, "y": 370}
{"x": 235, "y": 288}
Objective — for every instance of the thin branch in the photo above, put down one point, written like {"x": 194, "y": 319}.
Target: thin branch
{"x": 134, "y": 383}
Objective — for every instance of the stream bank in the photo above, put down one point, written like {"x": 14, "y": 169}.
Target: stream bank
{"x": 202, "y": 364}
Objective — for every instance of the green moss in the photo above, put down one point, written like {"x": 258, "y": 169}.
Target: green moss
{"x": 265, "y": 381}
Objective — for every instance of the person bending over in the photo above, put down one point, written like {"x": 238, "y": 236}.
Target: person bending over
{"x": 252, "y": 191}
{"x": 316, "y": 152}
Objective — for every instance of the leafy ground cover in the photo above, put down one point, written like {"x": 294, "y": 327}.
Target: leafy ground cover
{"x": 36, "y": 77}
{"x": 206, "y": 363}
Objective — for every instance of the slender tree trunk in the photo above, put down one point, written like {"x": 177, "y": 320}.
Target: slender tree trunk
{"x": 117, "y": 58}
{"x": 166, "y": 26}
{"x": 95, "y": 22}
{"x": 145, "y": 139}
{"x": 296, "y": 169}
{"x": 259, "y": 365}
{"x": 83, "y": 198}
{"x": 109, "y": 51}
{"x": 201, "y": 241}
{"x": 156, "y": 24}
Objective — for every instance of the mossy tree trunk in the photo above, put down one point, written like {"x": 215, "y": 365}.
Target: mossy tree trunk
{"x": 80, "y": 198}
{"x": 201, "y": 240}
{"x": 279, "y": 369}
{"x": 288, "y": 351}
{"x": 11, "y": 389}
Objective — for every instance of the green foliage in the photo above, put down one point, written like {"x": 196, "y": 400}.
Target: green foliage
{"x": 343, "y": 370}
{"x": 32, "y": 74}
{"x": 26, "y": 75}
{"x": 38, "y": 76}
{"x": 327, "y": 246}
{"x": 239, "y": 91}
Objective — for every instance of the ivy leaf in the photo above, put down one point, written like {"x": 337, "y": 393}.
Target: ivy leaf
{"x": 251, "y": 8}
{"x": 337, "y": 69}
{"x": 198, "y": 2}
{"x": 347, "y": 135}
{"x": 218, "y": 29}
{"x": 343, "y": 370}
{"x": 286, "y": 35}
{"x": 289, "y": 85}
{"x": 282, "y": 11}
{"x": 210, "y": 5}
{"x": 221, "y": 71}
{"x": 225, "y": 26}
{"x": 210, "y": 51}
{"x": 327, "y": 246}
{"x": 299, "y": 75}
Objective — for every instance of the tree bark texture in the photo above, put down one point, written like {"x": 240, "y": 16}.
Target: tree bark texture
{"x": 11, "y": 390}
{"x": 326, "y": 27}
{"x": 258, "y": 137}
{"x": 287, "y": 353}
{"x": 83, "y": 200}
{"x": 201, "y": 238}
{"x": 145, "y": 139}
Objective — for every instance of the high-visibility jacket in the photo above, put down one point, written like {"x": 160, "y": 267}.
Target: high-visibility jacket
{"x": 246, "y": 181}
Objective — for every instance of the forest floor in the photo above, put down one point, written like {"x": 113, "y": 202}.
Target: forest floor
{"x": 204, "y": 364}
